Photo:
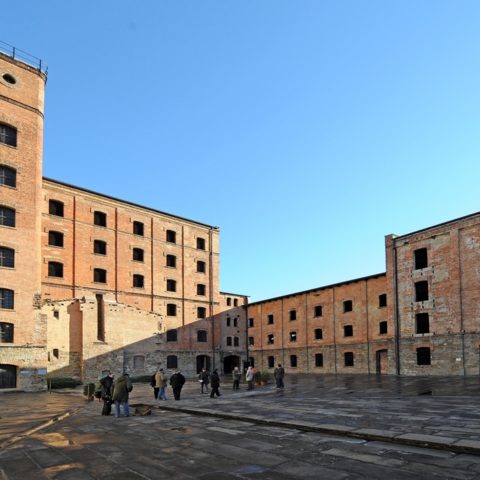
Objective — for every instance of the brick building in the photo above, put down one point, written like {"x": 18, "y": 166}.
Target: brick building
{"x": 89, "y": 282}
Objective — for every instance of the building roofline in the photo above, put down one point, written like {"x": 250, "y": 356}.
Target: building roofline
{"x": 471, "y": 215}
{"x": 234, "y": 294}
{"x": 132, "y": 204}
{"x": 325, "y": 287}
{"x": 23, "y": 59}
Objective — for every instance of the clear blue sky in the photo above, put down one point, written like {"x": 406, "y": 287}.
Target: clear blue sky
{"x": 305, "y": 129}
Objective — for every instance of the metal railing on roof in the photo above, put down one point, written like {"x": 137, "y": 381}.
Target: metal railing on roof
{"x": 24, "y": 57}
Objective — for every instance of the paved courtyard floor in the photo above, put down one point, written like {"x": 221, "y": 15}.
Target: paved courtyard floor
{"x": 332, "y": 427}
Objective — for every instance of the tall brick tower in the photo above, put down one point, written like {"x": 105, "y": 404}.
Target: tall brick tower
{"x": 23, "y": 356}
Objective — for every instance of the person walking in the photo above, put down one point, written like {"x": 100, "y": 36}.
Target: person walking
{"x": 122, "y": 386}
{"x": 215, "y": 383}
{"x": 162, "y": 382}
{"x": 249, "y": 377}
{"x": 106, "y": 393}
{"x": 155, "y": 383}
{"x": 176, "y": 381}
{"x": 279, "y": 373}
{"x": 204, "y": 379}
{"x": 236, "y": 378}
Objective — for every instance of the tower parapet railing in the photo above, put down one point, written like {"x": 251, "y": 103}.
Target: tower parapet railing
{"x": 24, "y": 57}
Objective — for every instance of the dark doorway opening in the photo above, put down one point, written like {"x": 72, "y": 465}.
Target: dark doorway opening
{"x": 230, "y": 362}
{"x": 203, "y": 361}
{"x": 8, "y": 376}
{"x": 382, "y": 361}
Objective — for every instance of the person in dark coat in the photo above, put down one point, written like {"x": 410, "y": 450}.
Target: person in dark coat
{"x": 204, "y": 379}
{"x": 279, "y": 373}
{"x": 122, "y": 386}
{"x": 176, "y": 381}
{"x": 215, "y": 383}
{"x": 107, "y": 383}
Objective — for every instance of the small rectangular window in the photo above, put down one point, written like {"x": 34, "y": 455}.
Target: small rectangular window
{"x": 383, "y": 327}
{"x": 229, "y": 301}
{"x": 6, "y": 332}
{"x": 348, "y": 359}
{"x": 319, "y": 359}
{"x": 201, "y": 267}
{"x": 138, "y": 228}
{"x": 99, "y": 247}
{"x": 171, "y": 285}
{"x": 229, "y": 341}
{"x": 235, "y": 322}
{"x": 8, "y": 135}
{"x": 55, "y": 208}
{"x": 347, "y": 306}
{"x": 270, "y": 339}
{"x": 293, "y": 361}
{"x": 99, "y": 275}
{"x": 228, "y": 321}
{"x": 421, "y": 258}
{"x": 55, "y": 239}
{"x": 56, "y": 353}
{"x": 172, "y": 362}
{"x": 251, "y": 322}
{"x": 293, "y": 315}
{"x": 421, "y": 291}
{"x": 235, "y": 341}
{"x": 201, "y": 312}
{"x": 7, "y": 298}
{"x": 318, "y": 334}
{"x": 235, "y": 302}
{"x": 200, "y": 243}
{"x": 317, "y": 311}
{"x": 270, "y": 319}
{"x": 348, "y": 331}
{"x": 138, "y": 255}
{"x": 55, "y": 269}
{"x": 8, "y": 176}
{"x": 251, "y": 341}
{"x": 202, "y": 336}
{"x": 100, "y": 219}
{"x": 271, "y": 362}
{"x": 138, "y": 281}
{"x": 7, "y": 257}
{"x": 7, "y": 217}
{"x": 422, "y": 323}
{"x": 171, "y": 261}
{"x": 201, "y": 289}
{"x": 172, "y": 335}
{"x": 292, "y": 336}
{"x": 424, "y": 356}
{"x": 382, "y": 300}
{"x": 171, "y": 236}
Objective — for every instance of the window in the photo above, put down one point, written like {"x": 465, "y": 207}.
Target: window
{"x": 235, "y": 302}
{"x": 423, "y": 356}
{"x": 229, "y": 341}
{"x": 56, "y": 314}
{"x": 317, "y": 311}
{"x": 6, "y": 332}
{"x": 292, "y": 336}
{"x": 270, "y": 339}
{"x": 251, "y": 341}
{"x": 55, "y": 239}
{"x": 56, "y": 353}
{"x": 171, "y": 285}
{"x": 293, "y": 361}
{"x": 201, "y": 336}
{"x": 8, "y": 135}
{"x": 270, "y": 319}
{"x": 421, "y": 291}
{"x": 293, "y": 315}
{"x": 201, "y": 267}
{"x": 383, "y": 327}
{"x": 138, "y": 281}
{"x": 348, "y": 331}
{"x": 201, "y": 312}
{"x": 55, "y": 208}
{"x": 229, "y": 301}
{"x": 318, "y": 334}
{"x": 228, "y": 321}
{"x": 100, "y": 219}
{"x": 271, "y": 362}
{"x": 172, "y": 361}
{"x": 99, "y": 247}
{"x": 348, "y": 359}
{"x": 235, "y": 341}
{"x": 171, "y": 236}
{"x": 382, "y": 300}
{"x": 422, "y": 323}
{"x": 171, "y": 310}
{"x": 7, "y": 217}
{"x": 347, "y": 306}
{"x": 138, "y": 362}
{"x": 319, "y": 359}
{"x": 99, "y": 275}
{"x": 7, "y": 257}
{"x": 235, "y": 322}
{"x": 251, "y": 322}
{"x": 138, "y": 228}
{"x": 6, "y": 298}
{"x": 137, "y": 254}
{"x": 200, "y": 243}
{"x": 100, "y": 318}
{"x": 55, "y": 269}
{"x": 421, "y": 258}
{"x": 172, "y": 335}
{"x": 8, "y": 176}
{"x": 201, "y": 289}
{"x": 171, "y": 261}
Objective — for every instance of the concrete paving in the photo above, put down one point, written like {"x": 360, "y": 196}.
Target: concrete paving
{"x": 317, "y": 427}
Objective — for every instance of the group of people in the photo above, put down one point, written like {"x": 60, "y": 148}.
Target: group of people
{"x": 116, "y": 391}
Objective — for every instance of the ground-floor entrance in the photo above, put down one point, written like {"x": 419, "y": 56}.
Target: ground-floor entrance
{"x": 382, "y": 361}
{"x": 230, "y": 362}
{"x": 8, "y": 376}
{"x": 203, "y": 361}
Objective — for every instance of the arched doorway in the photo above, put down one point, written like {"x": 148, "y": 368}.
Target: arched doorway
{"x": 230, "y": 362}
{"x": 8, "y": 376}
{"x": 203, "y": 361}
